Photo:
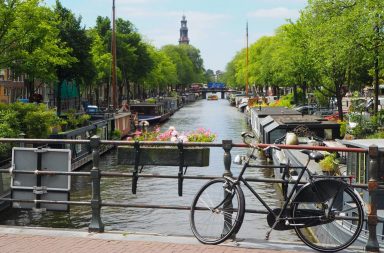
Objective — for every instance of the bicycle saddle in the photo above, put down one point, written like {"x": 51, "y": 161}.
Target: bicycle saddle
{"x": 313, "y": 155}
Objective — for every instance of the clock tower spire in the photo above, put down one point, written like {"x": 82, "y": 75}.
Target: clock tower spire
{"x": 184, "y": 32}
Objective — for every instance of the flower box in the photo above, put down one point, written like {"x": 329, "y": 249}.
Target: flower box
{"x": 164, "y": 156}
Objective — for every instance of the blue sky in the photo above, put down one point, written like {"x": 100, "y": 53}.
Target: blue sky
{"x": 216, "y": 27}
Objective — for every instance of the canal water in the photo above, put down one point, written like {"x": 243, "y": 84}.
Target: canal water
{"x": 217, "y": 116}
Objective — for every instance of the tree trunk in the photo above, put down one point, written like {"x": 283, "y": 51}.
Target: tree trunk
{"x": 305, "y": 88}
{"x": 58, "y": 98}
{"x": 295, "y": 99}
{"x": 79, "y": 96}
{"x": 376, "y": 66}
{"x": 107, "y": 94}
{"x": 29, "y": 85}
{"x": 339, "y": 102}
{"x": 120, "y": 95}
{"x": 97, "y": 97}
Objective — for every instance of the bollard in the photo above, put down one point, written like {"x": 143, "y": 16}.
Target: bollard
{"x": 227, "y": 146}
{"x": 96, "y": 223}
{"x": 372, "y": 243}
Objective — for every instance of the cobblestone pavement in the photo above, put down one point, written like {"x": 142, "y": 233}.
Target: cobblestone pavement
{"x": 11, "y": 243}
{"x": 46, "y": 240}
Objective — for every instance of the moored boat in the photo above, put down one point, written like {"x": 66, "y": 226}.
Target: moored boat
{"x": 153, "y": 113}
{"x": 351, "y": 164}
{"x": 212, "y": 97}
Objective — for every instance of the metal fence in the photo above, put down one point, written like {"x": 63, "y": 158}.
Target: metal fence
{"x": 96, "y": 224}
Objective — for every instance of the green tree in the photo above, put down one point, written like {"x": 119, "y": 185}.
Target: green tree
{"x": 75, "y": 37}
{"x": 189, "y": 64}
{"x": 39, "y": 50}
{"x": 332, "y": 44}
{"x": 369, "y": 35}
{"x": 162, "y": 74}
{"x": 102, "y": 60}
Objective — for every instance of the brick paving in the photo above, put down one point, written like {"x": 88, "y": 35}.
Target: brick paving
{"x": 26, "y": 243}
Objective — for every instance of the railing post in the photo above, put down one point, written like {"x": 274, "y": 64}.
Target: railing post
{"x": 227, "y": 146}
{"x": 372, "y": 243}
{"x": 21, "y": 136}
{"x": 96, "y": 223}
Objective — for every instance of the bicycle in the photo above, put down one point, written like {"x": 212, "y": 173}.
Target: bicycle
{"x": 325, "y": 212}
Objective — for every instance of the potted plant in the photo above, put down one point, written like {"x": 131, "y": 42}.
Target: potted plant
{"x": 330, "y": 164}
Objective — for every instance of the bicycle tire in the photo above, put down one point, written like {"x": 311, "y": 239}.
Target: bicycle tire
{"x": 212, "y": 219}
{"x": 336, "y": 233}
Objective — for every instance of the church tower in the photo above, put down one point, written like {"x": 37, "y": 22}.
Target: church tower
{"x": 184, "y": 32}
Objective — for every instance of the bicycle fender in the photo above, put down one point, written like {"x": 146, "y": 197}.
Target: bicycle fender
{"x": 319, "y": 191}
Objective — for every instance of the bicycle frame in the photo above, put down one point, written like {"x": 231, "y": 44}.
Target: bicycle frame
{"x": 287, "y": 199}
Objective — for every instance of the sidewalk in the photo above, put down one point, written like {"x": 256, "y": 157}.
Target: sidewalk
{"x": 43, "y": 240}
{"x": 47, "y": 240}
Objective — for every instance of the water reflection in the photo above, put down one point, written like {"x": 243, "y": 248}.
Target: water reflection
{"x": 216, "y": 116}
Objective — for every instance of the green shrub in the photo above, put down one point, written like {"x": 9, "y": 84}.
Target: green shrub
{"x": 330, "y": 163}
{"x": 116, "y": 134}
{"x": 151, "y": 100}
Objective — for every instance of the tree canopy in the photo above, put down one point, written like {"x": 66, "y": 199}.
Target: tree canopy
{"x": 333, "y": 46}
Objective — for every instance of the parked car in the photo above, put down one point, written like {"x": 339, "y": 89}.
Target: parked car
{"x": 306, "y": 109}
{"x": 324, "y": 112}
{"x": 92, "y": 109}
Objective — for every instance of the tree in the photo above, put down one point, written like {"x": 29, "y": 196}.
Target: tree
{"x": 34, "y": 47}
{"x": 133, "y": 59}
{"x": 331, "y": 43}
{"x": 369, "y": 35}
{"x": 102, "y": 60}
{"x": 188, "y": 63}
{"x": 162, "y": 74}
{"x": 74, "y": 36}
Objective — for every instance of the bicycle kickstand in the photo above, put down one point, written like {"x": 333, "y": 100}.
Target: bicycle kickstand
{"x": 270, "y": 231}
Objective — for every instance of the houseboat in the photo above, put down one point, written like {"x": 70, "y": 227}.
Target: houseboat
{"x": 153, "y": 113}
{"x": 357, "y": 165}
{"x": 257, "y": 114}
{"x": 81, "y": 153}
{"x": 170, "y": 104}
{"x": 352, "y": 164}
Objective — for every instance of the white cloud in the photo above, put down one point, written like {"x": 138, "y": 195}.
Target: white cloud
{"x": 279, "y": 12}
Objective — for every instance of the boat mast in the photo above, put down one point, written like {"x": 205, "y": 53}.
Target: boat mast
{"x": 246, "y": 67}
{"x": 114, "y": 102}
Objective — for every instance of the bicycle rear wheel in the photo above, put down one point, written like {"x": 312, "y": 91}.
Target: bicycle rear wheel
{"x": 217, "y": 211}
{"x": 335, "y": 232}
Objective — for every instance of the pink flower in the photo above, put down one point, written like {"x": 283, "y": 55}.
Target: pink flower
{"x": 183, "y": 138}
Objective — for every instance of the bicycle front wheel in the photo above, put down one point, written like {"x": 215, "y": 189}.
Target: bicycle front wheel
{"x": 217, "y": 211}
{"x": 332, "y": 232}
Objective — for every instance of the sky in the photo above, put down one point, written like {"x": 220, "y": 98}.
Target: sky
{"x": 216, "y": 27}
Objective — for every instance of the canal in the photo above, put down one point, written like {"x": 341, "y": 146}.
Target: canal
{"x": 217, "y": 116}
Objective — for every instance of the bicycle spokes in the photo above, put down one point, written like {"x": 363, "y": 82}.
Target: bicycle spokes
{"x": 329, "y": 226}
{"x": 217, "y": 211}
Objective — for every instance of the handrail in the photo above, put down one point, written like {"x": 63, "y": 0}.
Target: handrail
{"x": 96, "y": 202}
{"x": 186, "y": 144}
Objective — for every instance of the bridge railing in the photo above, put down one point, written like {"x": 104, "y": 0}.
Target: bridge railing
{"x": 96, "y": 202}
